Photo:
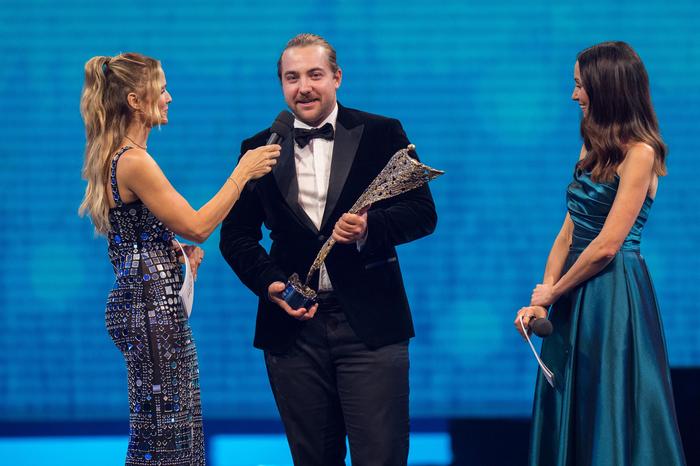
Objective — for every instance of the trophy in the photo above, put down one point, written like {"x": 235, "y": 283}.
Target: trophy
{"x": 401, "y": 174}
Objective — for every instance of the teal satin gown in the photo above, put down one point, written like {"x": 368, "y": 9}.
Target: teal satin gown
{"x": 612, "y": 403}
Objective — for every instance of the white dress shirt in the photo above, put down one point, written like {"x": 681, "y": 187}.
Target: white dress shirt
{"x": 313, "y": 166}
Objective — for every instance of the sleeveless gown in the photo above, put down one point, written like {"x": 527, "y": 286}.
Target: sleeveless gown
{"x": 146, "y": 321}
{"x": 612, "y": 404}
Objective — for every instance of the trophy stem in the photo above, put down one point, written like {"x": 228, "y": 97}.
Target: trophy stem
{"x": 320, "y": 257}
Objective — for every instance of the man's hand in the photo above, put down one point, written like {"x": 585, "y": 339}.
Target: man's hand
{"x": 350, "y": 228}
{"x": 274, "y": 293}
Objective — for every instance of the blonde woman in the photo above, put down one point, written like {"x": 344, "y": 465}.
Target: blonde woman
{"x": 130, "y": 200}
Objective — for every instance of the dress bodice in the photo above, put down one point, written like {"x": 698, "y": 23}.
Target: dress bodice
{"x": 589, "y": 203}
{"x": 134, "y": 234}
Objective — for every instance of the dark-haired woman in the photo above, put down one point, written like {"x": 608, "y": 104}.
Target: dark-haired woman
{"x": 129, "y": 199}
{"x": 611, "y": 403}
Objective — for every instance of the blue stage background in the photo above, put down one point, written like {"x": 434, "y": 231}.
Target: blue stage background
{"x": 482, "y": 89}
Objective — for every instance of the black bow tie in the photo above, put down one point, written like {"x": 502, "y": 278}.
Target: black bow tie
{"x": 303, "y": 136}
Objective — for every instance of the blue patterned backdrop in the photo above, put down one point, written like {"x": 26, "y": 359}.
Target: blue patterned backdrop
{"x": 483, "y": 90}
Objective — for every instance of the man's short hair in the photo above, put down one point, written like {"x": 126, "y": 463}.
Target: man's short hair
{"x": 305, "y": 39}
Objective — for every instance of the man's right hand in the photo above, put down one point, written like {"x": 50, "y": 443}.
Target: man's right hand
{"x": 274, "y": 293}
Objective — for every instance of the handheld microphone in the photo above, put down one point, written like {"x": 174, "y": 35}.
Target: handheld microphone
{"x": 281, "y": 127}
{"x": 541, "y": 327}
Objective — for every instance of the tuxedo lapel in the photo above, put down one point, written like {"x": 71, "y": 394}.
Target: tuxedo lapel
{"x": 344, "y": 152}
{"x": 285, "y": 174}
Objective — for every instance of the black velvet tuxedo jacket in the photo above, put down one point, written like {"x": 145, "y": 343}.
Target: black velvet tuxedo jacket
{"x": 367, "y": 283}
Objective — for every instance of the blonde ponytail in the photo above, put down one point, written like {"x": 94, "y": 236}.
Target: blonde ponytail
{"x": 107, "y": 116}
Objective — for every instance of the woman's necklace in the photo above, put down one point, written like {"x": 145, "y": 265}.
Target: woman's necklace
{"x": 135, "y": 143}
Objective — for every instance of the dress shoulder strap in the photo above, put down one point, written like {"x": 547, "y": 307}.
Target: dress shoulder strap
{"x": 113, "y": 176}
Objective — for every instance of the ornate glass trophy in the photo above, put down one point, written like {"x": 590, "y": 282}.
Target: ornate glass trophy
{"x": 401, "y": 174}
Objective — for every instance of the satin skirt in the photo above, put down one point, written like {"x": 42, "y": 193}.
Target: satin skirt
{"x": 612, "y": 403}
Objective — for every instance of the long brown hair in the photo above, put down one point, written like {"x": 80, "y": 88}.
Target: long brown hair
{"x": 107, "y": 115}
{"x": 619, "y": 110}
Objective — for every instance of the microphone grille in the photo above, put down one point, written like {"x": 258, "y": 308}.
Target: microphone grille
{"x": 542, "y": 327}
{"x": 283, "y": 124}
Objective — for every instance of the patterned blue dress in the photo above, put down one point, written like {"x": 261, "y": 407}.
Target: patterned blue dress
{"x": 147, "y": 322}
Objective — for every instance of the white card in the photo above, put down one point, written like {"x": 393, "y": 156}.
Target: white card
{"x": 548, "y": 374}
{"x": 187, "y": 291}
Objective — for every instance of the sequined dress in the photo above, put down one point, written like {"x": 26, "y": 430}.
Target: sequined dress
{"x": 146, "y": 321}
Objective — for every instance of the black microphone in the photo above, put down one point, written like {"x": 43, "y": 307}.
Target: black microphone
{"x": 281, "y": 127}
{"x": 541, "y": 327}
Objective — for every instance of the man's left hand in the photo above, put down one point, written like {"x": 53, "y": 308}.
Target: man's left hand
{"x": 350, "y": 228}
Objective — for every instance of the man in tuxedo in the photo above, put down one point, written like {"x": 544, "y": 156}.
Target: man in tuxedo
{"x": 341, "y": 367}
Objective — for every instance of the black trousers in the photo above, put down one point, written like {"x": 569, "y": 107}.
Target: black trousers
{"x": 329, "y": 384}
